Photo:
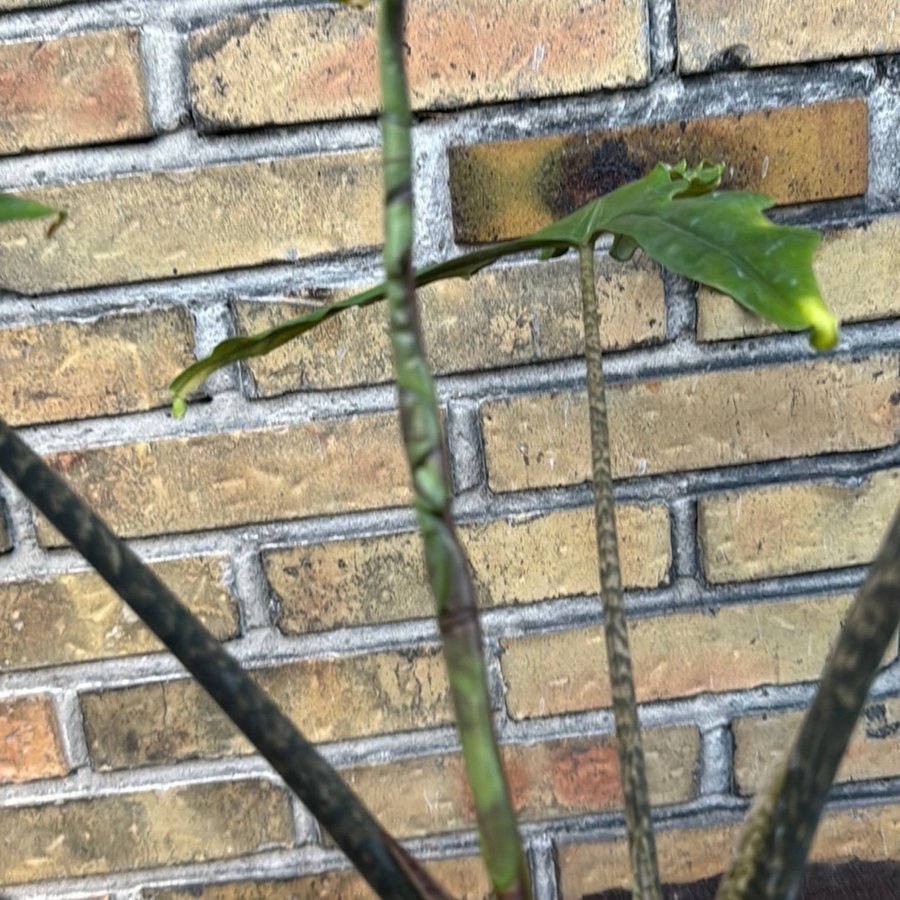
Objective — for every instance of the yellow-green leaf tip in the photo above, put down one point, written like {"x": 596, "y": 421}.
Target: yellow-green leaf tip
{"x": 822, "y": 323}
{"x": 179, "y": 407}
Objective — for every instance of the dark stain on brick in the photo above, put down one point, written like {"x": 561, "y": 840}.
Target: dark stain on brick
{"x": 895, "y": 398}
{"x": 877, "y": 724}
{"x": 737, "y": 56}
{"x": 578, "y": 173}
{"x": 821, "y": 881}
{"x": 208, "y": 42}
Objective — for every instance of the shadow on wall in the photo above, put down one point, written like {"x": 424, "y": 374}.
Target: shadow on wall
{"x": 847, "y": 881}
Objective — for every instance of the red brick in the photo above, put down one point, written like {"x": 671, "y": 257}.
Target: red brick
{"x": 30, "y": 746}
{"x": 81, "y": 89}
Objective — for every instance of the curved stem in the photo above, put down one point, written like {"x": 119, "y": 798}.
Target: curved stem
{"x": 379, "y": 859}
{"x": 642, "y": 847}
{"x": 448, "y": 570}
{"x": 782, "y": 822}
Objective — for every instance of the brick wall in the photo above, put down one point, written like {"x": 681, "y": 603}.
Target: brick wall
{"x": 208, "y": 152}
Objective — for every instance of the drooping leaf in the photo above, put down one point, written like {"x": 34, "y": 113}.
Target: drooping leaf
{"x": 674, "y": 214}
{"x": 16, "y": 208}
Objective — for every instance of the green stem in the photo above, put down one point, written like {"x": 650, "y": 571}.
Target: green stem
{"x": 448, "y": 569}
{"x": 642, "y": 847}
{"x": 782, "y": 822}
{"x": 380, "y": 860}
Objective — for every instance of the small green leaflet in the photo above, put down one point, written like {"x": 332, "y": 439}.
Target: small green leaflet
{"x": 674, "y": 214}
{"x": 16, "y": 208}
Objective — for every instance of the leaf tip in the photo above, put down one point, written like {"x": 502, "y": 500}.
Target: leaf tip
{"x": 822, "y": 323}
{"x": 179, "y": 407}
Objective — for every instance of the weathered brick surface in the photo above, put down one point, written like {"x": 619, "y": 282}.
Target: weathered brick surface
{"x": 74, "y": 618}
{"x": 182, "y": 222}
{"x": 188, "y": 484}
{"x": 328, "y": 699}
{"x": 856, "y": 272}
{"x": 133, "y": 831}
{"x": 463, "y": 878}
{"x": 82, "y": 89}
{"x": 794, "y": 154}
{"x": 320, "y": 63}
{"x": 678, "y": 655}
{"x": 871, "y": 833}
{"x": 115, "y": 364}
{"x": 356, "y": 582}
{"x": 696, "y": 421}
{"x": 712, "y": 32}
{"x": 874, "y": 751}
{"x": 790, "y": 528}
{"x": 503, "y": 317}
{"x": 30, "y": 747}
{"x": 549, "y": 780}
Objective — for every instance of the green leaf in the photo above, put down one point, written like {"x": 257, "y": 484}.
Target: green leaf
{"x": 16, "y": 208}
{"x": 674, "y": 214}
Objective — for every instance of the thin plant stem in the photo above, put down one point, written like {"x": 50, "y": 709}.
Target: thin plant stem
{"x": 448, "y": 570}
{"x": 777, "y": 834}
{"x": 380, "y": 860}
{"x": 641, "y": 843}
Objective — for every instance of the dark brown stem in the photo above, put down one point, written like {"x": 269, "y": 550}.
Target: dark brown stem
{"x": 380, "y": 860}
{"x": 642, "y": 847}
{"x": 782, "y": 822}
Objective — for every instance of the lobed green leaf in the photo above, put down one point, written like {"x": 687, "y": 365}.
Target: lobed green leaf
{"x": 674, "y": 214}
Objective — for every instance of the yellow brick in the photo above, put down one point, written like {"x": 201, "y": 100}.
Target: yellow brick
{"x": 30, "y": 747}
{"x": 792, "y": 528}
{"x": 463, "y": 878}
{"x": 679, "y": 655}
{"x": 795, "y": 154}
{"x": 183, "y": 222}
{"x": 874, "y": 751}
{"x": 81, "y": 89}
{"x": 548, "y": 780}
{"x": 356, "y": 582}
{"x": 124, "y": 832}
{"x": 312, "y": 64}
{"x": 855, "y": 269}
{"x": 871, "y": 833}
{"x": 219, "y": 480}
{"x": 697, "y": 422}
{"x": 329, "y": 699}
{"x": 773, "y": 32}
{"x": 74, "y": 618}
{"x": 69, "y": 370}
{"x": 499, "y": 317}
